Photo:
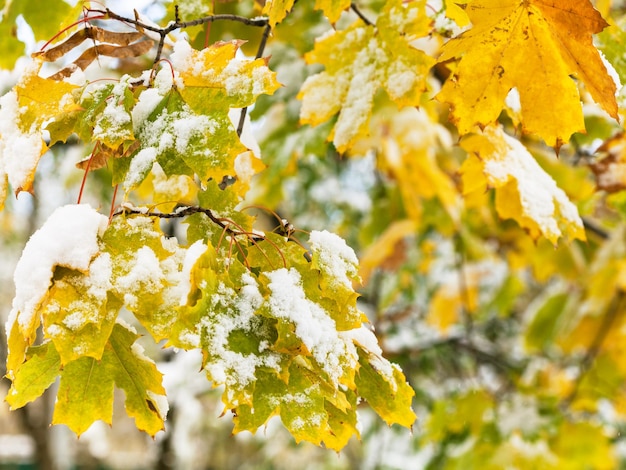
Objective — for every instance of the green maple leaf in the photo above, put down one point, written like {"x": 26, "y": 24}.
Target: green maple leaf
{"x": 143, "y": 264}
{"x": 384, "y": 387}
{"x": 85, "y": 394}
{"x": 44, "y": 17}
{"x": 37, "y": 374}
{"x": 86, "y": 388}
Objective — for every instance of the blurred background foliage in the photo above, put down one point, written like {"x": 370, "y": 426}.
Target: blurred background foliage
{"x": 515, "y": 347}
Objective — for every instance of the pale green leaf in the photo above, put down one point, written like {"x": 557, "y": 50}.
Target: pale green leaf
{"x": 40, "y": 370}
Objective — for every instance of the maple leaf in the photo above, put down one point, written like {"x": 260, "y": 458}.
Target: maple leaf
{"x": 68, "y": 239}
{"x": 407, "y": 142}
{"x": 610, "y": 168}
{"x": 534, "y": 46}
{"x": 45, "y": 18}
{"x": 277, "y": 10}
{"x": 24, "y": 110}
{"x": 524, "y": 191}
{"x": 86, "y": 387}
{"x": 361, "y": 59}
{"x": 144, "y": 272}
{"x": 188, "y": 130}
{"x": 332, "y": 8}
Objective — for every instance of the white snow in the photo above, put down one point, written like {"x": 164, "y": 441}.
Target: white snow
{"x": 365, "y": 338}
{"x": 334, "y": 256}
{"x": 182, "y": 57}
{"x": 115, "y": 119}
{"x": 145, "y": 274}
{"x": 313, "y": 326}
{"x": 235, "y": 311}
{"x": 20, "y": 150}
{"x": 68, "y": 238}
{"x": 541, "y": 199}
{"x": 140, "y": 165}
{"x": 191, "y": 256}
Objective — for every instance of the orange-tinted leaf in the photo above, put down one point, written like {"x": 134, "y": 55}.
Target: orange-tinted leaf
{"x": 534, "y": 46}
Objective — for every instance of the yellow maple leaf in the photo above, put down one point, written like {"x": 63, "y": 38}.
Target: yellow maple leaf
{"x": 32, "y": 102}
{"x": 407, "y": 143}
{"x": 215, "y": 72}
{"x": 277, "y": 10}
{"x": 534, "y": 46}
{"x": 385, "y": 247}
{"x": 457, "y": 13}
{"x": 332, "y": 8}
{"x": 524, "y": 191}
{"x": 361, "y": 59}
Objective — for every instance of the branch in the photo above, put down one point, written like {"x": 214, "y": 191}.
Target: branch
{"x": 495, "y": 358}
{"x": 259, "y": 21}
{"x": 593, "y": 228}
{"x": 185, "y": 211}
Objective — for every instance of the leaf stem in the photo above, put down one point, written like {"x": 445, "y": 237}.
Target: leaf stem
{"x": 360, "y": 14}
{"x": 259, "y": 54}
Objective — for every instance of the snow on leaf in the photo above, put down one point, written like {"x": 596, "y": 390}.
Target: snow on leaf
{"x": 534, "y": 46}
{"x": 304, "y": 414}
{"x": 23, "y": 110}
{"x": 338, "y": 267}
{"x": 113, "y": 126}
{"x": 312, "y": 324}
{"x": 185, "y": 126}
{"x": 387, "y": 393}
{"x": 380, "y": 382}
{"x": 361, "y": 59}
{"x": 524, "y": 191}
{"x": 69, "y": 238}
{"x": 146, "y": 272}
{"x": 79, "y": 313}
{"x": 215, "y": 79}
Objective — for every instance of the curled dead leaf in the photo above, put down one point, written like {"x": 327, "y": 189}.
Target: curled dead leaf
{"x": 610, "y": 166}
{"x": 95, "y": 34}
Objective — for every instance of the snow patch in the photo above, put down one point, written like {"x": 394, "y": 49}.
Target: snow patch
{"x": 313, "y": 326}
{"x": 68, "y": 238}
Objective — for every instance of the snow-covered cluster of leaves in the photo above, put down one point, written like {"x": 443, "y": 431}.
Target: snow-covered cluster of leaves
{"x": 470, "y": 152}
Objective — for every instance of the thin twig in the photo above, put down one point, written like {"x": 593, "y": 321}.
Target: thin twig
{"x": 585, "y": 364}
{"x": 593, "y": 228}
{"x": 184, "y": 212}
{"x": 259, "y": 54}
{"x": 463, "y": 287}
